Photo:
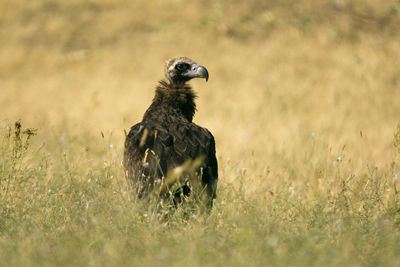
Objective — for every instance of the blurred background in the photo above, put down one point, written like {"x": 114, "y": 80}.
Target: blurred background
{"x": 282, "y": 73}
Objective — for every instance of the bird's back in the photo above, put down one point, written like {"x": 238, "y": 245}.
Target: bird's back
{"x": 154, "y": 149}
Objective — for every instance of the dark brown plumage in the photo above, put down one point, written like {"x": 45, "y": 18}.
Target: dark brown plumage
{"x": 166, "y": 148}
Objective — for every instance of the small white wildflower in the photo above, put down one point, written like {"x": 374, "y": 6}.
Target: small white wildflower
{"x": 222, "y": 202}
{"x": 87, "y": 205}
{"x": 339, "y": 158}
{"x": 242, "y": 171}
{"x": 49, "y": 191}
{"x": 89, "y": 180}
{"x": 145, "y": 164}
{"x": 291, "y": 189}
{"x": 396, "y": 177}
{"x": 145, "y": 215}
{"x": 158, "y": 181}
{"x": 111, "y": 145}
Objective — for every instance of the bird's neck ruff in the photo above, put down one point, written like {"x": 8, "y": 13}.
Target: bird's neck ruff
{"x": 178, "y": 97}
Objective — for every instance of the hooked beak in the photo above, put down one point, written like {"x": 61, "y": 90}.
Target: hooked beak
{"x": 197, "y": 71}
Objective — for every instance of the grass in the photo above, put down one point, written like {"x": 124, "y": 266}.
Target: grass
{"x": 67, "y": 209}
{"x": 301, "y": 101}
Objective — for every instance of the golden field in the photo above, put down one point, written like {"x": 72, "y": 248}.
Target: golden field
{"x": 302, "y": 101}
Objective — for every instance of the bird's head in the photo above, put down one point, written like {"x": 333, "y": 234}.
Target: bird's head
{"x": 179, "y": 70}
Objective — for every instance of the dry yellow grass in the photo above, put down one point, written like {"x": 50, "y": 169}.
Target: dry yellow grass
{"x": 268, "y": 92}
{"x": 301, "y": 95}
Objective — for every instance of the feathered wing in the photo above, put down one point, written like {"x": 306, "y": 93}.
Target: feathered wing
{"x": 139, "y": 159}
{"x": 151, "y": 152}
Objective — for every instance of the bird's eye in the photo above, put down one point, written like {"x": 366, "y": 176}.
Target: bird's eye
{"x": 179, "y": 66}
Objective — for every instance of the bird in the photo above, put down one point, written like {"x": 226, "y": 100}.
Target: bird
{"x": 167, "y": 154}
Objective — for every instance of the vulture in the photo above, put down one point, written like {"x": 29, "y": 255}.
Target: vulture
{"x": 167, "y": 154}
